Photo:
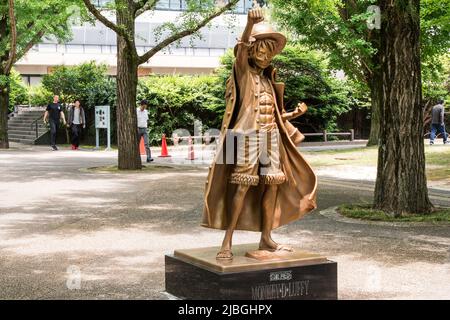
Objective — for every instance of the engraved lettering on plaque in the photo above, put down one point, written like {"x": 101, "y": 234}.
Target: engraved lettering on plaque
{"x": 281, "y": 290}
{"x": 281, "y": 276}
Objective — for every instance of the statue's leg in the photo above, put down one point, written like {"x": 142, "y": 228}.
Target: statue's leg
{"x": 268, "y": 209}
{"x": 268, "y": 213}
{"x": 236, "y": 208}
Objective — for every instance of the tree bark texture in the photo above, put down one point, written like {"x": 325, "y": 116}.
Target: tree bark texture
{"x": 375, "y": 84}
{"x": 127, "y": 79}
{"x": 401, "y": 185}
{"x": 4, "y": 102}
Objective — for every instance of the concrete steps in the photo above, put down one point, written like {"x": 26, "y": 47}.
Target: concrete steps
{"x": 21, "y": 127}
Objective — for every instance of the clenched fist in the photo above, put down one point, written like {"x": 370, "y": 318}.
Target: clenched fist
{"x": 301, "y": 108}
{"x": 255, "y": 15}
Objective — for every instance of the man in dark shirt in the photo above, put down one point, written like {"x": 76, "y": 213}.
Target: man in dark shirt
{"x": 437, "y": 121}
{"x": 53, "y": 114}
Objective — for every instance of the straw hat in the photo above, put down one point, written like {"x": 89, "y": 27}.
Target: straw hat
{"x": 265, "y": 31}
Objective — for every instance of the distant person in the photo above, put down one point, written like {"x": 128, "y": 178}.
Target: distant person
{"x": 142, "y": 119}
{"x": 77, "y": 122}
{"x": 437, "y": 122}
{"x": 53, "y": 114}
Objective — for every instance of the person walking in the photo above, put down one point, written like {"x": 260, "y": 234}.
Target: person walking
{"x": 77, "y": 121}
{"x": 437, "y": 122}
{"x": 142, "y": 120}
{"x": 53, "y": 114}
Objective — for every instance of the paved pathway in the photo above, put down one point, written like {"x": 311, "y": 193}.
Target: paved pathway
{"x": 114, "y": 228}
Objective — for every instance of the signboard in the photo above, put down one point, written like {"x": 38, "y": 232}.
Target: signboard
{"x": 102, "y": 121}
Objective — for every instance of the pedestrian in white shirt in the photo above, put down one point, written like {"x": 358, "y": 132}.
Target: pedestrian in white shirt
{"x": 142, "y": 120}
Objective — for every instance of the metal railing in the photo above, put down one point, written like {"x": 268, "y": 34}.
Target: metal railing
{"x": 207, "y": 139}
{"x": 36, "y": 126}
{"x": 325, "y": 134}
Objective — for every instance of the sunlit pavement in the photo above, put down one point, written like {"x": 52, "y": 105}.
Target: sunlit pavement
{"x": 71, "y": 233}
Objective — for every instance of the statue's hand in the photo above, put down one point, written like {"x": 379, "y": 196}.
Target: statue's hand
{"x": 255, "y": 15}
{"x": 298, "y": 111}
{"x": 301, "y": 109}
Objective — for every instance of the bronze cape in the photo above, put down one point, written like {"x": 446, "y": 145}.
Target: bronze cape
{"x": 295, "y": 198}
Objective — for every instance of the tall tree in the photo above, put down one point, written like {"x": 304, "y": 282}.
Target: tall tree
{"x": 197, "y": 15}
{"x": 340, "y": 28}
{"x": 7, "y": 27}
{"x": 401, "y": 185}
{"x": 23, "y": 23}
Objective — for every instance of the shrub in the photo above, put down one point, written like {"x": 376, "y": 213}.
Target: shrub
{"x": 175, "y": 102}
{"x": 18, "y": 90}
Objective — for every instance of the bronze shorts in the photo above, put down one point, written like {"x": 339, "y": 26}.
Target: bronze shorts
{"x": 258, "y": 159}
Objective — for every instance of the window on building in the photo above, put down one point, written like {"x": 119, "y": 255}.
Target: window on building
{"x": 179, "y": 51}
{"x": 35, "y": 80}
{"x": 75, "y": 48}
{"x": 106, "y": 49}
{"x": 216, "y": 52}
{"x": 201, "y": 52}
{"x": 47, "y": 47}
{"x": 163, "y": 4}
{"x": 92, "y": 49}
{"x": 100, "y": 3}
{"x": 31, "y": 80}
{"x": 242, "y": 7}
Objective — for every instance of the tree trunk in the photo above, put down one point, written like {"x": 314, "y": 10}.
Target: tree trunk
{"x": 401, "y": 185}
{"x": 375, "y": 98}
{"x": 4, "y": 87}
{"x": 4, "y": 103}
{"x": 127, "y": 66}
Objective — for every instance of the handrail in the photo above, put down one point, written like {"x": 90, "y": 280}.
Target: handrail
{"x": 35, "y": 123}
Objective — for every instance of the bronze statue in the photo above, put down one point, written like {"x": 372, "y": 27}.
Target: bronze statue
{"x": 268, "y": 183}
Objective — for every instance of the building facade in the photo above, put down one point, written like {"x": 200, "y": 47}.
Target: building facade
{"x": 96, "y": 42}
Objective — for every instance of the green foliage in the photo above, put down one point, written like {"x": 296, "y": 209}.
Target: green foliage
{"x": 336, "y": 27}
{"x": 436, "y": 78}
{"x": 435, "y": 28}
{"x": 87, "y": 82}
{"x": 340, "y": 28}
{"x": 37, "y": 19}
{"x": 39, "y": 95}
{"x": 365, "y": 212}
{"x": 176, "y": 101}
{"x": 18, "y": 90}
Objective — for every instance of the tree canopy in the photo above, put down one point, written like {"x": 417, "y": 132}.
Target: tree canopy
{"x": 339, "y": 27}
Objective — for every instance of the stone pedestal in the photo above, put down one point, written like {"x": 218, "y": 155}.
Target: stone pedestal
{"x": 298, "y": 275}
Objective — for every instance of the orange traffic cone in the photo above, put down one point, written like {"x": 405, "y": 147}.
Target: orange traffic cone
{"x": 142, "y": 147}
{"x": 164, "y": 152}
{"x": 191, "y": 155}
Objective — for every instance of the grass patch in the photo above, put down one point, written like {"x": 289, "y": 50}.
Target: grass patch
{"x": 437, "y": 159}
{"x": 365, "y": 212}
{"x": 441, "y": 173}
{"x": 354, "y": 156}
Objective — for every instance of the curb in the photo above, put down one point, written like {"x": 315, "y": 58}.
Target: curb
{"x": 332, "y": 213}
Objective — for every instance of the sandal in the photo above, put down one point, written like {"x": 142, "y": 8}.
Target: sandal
{"x": 224, "y": 255}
